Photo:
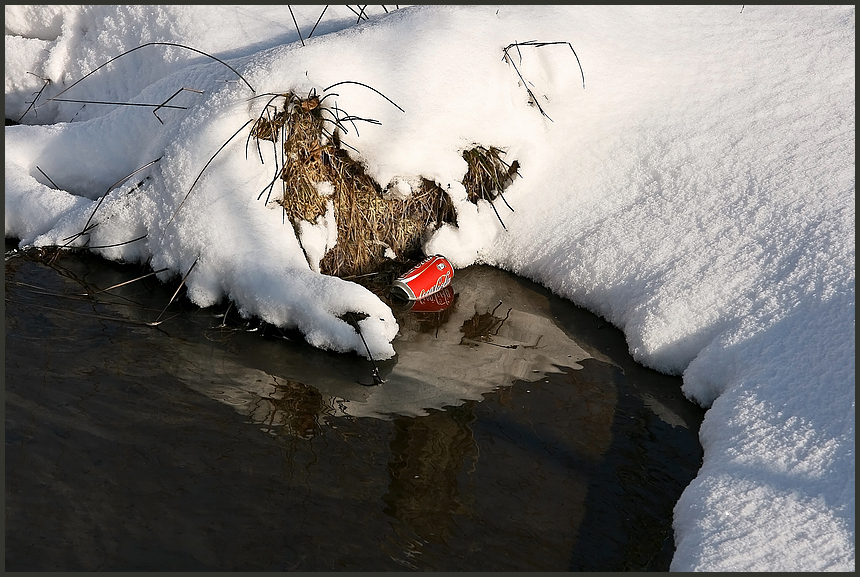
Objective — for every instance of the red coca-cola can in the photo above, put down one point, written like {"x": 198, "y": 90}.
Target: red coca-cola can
{"x": 430, "y": 276}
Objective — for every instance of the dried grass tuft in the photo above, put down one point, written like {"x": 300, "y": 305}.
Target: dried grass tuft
{"x": 371, "y": 226}
{"x": 488, "y": 175}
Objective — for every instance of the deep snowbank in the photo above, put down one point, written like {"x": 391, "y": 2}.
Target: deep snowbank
{"x": 698, "y": 193}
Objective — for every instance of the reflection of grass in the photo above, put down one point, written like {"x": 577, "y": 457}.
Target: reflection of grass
{"x": 428, "y": 455}
{"x": 296, "y": 407}
{"x": 482, "y": 327}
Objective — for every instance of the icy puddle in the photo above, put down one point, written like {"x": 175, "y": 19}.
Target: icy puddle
{"x": 512, "y": 432}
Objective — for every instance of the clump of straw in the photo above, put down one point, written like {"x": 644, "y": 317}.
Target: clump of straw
{"x": 373, "y": 229}
{"x": 488, "y": 175}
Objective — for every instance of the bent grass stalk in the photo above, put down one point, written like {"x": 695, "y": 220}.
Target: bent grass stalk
{"x": 48, "y": 177}
{"x": 296, "y": 24}
{"x": 318, "y": 21}
{"x": 534, "y": 43}
{"x": 144, "y": 46}
{"x": 119, "y": 243}
{"x": 172, "y": 216}
{"x": 156, "y": 106}
{"x": 87, "y": 226}
{"x": 158, "y": 320}
{"x": 38, "y": 94}
{"x": 125, "y": 283}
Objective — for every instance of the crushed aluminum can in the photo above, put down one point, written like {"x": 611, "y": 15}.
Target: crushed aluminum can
{"x": 430, "y": 276}
{"x": 435, "y": 303}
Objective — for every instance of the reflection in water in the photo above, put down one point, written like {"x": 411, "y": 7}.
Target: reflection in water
{"x": 433, "y": 369}
{"x": 294, "y": 406}
{"x": 494, "y": 482}
{"x": 483, "y": 327}
{"x": 437, "y": 302}
{"x": 429, "y": 314}
{"x": 428, "y": 454}
{"x": 498, "y": 442}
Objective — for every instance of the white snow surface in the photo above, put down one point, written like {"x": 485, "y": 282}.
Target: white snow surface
{"x": 698, "y": 193}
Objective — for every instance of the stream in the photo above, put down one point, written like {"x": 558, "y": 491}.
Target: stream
{"x": 512, "y": 432}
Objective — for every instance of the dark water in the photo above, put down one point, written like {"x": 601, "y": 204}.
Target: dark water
{"x": 513, "y": 432}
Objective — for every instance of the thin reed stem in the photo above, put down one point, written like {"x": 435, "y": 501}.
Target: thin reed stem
{"x": 296, "y": 24}
{"x": 153, "y": 44}
{"x": 172, "y": 216}
{"x": 121, "y": 180}
{"x": 318, "y": 21}
{"x": 38, "y": 94}
{"x": 181, "y": 284}
{"x": 366, "y": 86}
{"x": 126, "y": 282}
{"x": 48, "y": 177}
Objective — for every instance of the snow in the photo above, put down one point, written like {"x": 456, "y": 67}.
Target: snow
{"x": 698, "y": 193}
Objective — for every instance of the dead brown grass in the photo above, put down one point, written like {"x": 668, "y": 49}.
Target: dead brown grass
{"x": 488, "y": 175}
{"x": 369, "y": 224}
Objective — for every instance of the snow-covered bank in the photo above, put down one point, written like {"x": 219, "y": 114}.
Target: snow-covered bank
{"x": 698, "y": 193}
